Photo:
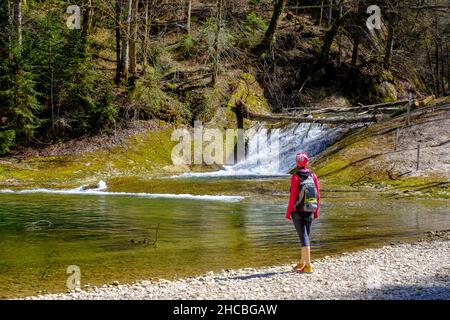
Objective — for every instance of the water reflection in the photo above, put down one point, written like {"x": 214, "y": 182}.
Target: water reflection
{"x": 113, "y": 238}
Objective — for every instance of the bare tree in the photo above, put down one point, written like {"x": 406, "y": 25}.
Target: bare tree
{"x": 329, "y": 37}
{"x": 88, "y": 18}
{"x": 189, "y": 12}
{"x": 392, "y": 25}
{"x": 18, "y": 21}
{"x": 330, "y": 13}
{"x": 126, "y": 40}
{"x": 270, "y": 32}
{"x": 216, "y": 57}
{"x": 118, "y": 19}
{"x": 133, "y": 38}
{"x": 146, "y": 31}
{"x": 358, "y": 31}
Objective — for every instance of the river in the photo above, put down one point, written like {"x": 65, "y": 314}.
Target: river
{"x": 127, "y": 238}
{"x": 170, "y": 227}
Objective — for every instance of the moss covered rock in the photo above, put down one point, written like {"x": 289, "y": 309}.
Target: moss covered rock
{"x": 251, "y": 93}
{"x": 385, "y": 92}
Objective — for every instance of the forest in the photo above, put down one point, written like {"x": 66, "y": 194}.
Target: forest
{"x": 77, "y": 68}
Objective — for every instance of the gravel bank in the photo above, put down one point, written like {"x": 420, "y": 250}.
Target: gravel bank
{"x": 403, "y": 271}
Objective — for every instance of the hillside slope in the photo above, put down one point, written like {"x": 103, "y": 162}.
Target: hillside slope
{"x": 371, "y": 158}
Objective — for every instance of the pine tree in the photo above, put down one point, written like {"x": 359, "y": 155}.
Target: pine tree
{"x": 77, "y": 101}
{"x": 19, "y": 104}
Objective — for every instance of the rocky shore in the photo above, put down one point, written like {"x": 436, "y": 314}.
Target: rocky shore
{"x": 399, "y": 271}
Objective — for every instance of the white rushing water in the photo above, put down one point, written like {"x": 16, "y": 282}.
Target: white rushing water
{"x": 101, "y": 186}
{"x": 266, "y": 162}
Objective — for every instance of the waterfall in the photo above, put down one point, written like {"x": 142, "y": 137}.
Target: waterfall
{"x": 293, "y": 138}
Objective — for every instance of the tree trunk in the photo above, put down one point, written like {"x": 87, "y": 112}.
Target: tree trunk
{"x": 119, "y": 64}
{"x": 430, "y": 66}
{"x": 126, "y": 40}
{"x": 330, "y": 35}
{"x": 87, "y": 18}
{"x": 357, "y": 34}
{"x": 442, "y": 68}
{"x": 355, "y": 52}
{"x": 189, "y": 12}
{"x": 133, "y": 40}
{"x": 437, "y": 69}
{"x": 330, "y": 14}
{"x": 321, "y": 14}
{"x": 270, "y": 32}
{"x": 389, "y": 45}
{"x": 215, "y": 71}
{"x": 339, "y": 39}
{"x": 18, "y": 21}
{"x": 448, "y": 67}
{"x": 146, "y": 31}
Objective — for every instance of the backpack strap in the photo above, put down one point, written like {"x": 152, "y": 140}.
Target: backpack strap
{"x": 303, "y": 175}
{"x": 301, "y": 195}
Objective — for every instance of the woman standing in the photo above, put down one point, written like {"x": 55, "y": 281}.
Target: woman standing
{"x": 303, "y": 208}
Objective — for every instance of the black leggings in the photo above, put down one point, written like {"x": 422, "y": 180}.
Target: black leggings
{"x": 302, "y": 222}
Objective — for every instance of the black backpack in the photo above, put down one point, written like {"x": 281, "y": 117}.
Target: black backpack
{"x": 307, "y": 193}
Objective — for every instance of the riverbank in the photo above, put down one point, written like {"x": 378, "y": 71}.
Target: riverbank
{"x": 393, "y": 158}
{"x": 401, "y": 271}
{"x": 370, "y": 159}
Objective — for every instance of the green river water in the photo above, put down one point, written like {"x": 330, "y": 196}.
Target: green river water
{"x": 114, "y": 237}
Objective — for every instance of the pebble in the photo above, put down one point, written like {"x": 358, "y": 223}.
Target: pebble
{"x": 390, "y": 272}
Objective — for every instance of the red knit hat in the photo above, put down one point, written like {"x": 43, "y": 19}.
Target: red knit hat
{"x": 302, "y": 159}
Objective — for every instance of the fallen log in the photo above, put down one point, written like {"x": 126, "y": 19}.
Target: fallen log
{"x": 379, "y": 111}
{"x": 353, "y": 109}
{"x": 243, "y": 110}
{"x": 381, "y": 107}
{"x": 423, "y": 102}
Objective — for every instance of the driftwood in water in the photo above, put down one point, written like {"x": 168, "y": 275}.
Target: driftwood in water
{"x": 243, "y": 110}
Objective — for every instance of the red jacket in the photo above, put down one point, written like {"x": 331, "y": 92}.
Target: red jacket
{"x": 295, "y": 181}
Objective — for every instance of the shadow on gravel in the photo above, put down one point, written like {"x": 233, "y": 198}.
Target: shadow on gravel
{"x": 432, "y": 288}
{"x": 258, "y": 276}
